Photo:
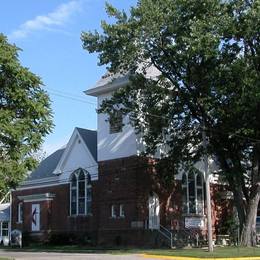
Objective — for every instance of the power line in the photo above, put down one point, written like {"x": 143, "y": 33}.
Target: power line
{"x": 71, "y": 98}
{"x": 78, "y": 98}
{"x": 69, "y": 94}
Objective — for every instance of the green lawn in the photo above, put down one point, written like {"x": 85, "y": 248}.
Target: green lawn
{"x": 200, "y": 253}
{"x": 203, "y": 253}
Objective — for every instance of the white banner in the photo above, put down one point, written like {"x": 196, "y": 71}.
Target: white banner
{"x": 35, "y": 217}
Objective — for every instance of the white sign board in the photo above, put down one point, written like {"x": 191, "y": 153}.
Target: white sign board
{"x": 16, "y": 238}
{"x": 191, "y": 222}
{"x": 35, "y": 217}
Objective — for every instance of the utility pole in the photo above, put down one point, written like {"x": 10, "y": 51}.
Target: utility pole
{"x": 208, "y": 199}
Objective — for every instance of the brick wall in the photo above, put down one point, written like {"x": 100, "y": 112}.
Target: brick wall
{"x": 123, "y": 181}
{"x": 128, "y": 181}
{"x": 54, "y": 215}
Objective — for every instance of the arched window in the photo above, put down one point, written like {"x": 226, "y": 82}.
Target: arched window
{"x": 80, "y": 193}
{"x": 192, "y": 193}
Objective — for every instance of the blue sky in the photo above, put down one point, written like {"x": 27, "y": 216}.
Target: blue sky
{"x": 48, "y": 32}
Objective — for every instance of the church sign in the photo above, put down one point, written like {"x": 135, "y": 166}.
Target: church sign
{"x": 193, "y": 222}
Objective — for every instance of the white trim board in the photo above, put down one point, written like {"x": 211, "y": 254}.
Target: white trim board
{"x": 41, "y": 186}
{"x": 39, "y": 181}
{"x": 37, "y": 197}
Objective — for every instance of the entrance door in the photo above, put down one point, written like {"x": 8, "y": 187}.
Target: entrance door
{"x": 35, "y": 217}
{"x": 154, "y": 212}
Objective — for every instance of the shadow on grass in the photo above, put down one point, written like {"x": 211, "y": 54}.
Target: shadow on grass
{"x": 194, "y": 252}
{"x": 73, "y": 249}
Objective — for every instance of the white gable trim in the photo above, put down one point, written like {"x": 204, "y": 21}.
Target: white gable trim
{"x": 75, "y": 135}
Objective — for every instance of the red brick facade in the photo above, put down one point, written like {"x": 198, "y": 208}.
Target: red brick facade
{"x": 127, "y": 181}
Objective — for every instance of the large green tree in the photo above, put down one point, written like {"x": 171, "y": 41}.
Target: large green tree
{"x": 25, "y": 117}
{"x": 208, "y": 55}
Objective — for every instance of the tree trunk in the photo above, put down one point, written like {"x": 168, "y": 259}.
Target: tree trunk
{"x": 240, "y": 206}
{"x": 248, "y": 236}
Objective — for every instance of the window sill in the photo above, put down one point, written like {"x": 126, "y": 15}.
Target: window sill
{"x": 119, "y": 217}
{"x": 81, "y": 215}
{"x": 194, "y": 215}
{"x": 36, "y": 232}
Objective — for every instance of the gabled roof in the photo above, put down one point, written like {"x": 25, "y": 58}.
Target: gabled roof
{"x": 48, "y": 166}
{"x": 5, "y": 212}
{"x": 107, "y": 83}
{"x": 109, "y": 77}
{"x": 112, "y": 81}
{"x": 90, "y": 139}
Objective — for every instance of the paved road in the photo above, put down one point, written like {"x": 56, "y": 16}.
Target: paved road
{"x": 66, "y": 256}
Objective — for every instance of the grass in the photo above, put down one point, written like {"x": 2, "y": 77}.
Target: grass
{"x": 195, "y": 252}
{"x": 203, "y": 253}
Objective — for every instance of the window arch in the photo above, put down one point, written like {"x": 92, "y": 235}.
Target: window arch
{"x": 80, "y": 193}
{"x": 193, "y": 192}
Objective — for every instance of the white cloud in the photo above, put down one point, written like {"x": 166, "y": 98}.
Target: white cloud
{"x": 50, "y": 21}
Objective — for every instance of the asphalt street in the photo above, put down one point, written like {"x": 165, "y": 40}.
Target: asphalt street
{"x": 66, "y": 256}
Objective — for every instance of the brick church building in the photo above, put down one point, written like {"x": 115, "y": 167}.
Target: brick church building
{"x": 101, "y": 189}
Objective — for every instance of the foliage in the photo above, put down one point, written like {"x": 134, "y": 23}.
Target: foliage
{"x": 25, "y": 116}
{"x": 58, "y": 239}
{"x": 206, "y": 55}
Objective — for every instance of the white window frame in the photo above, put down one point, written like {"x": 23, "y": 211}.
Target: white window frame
{"x": 20, "y": 212}
{"x": 113, "y": 211}
{"x": 73, "y": 188}
{"x": 196, "y": 187}
{"x": 121, "y": 210}
{"x": 4, "y": 229}
{"x": 87, "y": 182}
{"x": 88, "y": 186}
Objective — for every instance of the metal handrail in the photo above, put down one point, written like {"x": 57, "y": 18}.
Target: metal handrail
{"x": 169, "y": 232}
{"x": 5, "y": 197}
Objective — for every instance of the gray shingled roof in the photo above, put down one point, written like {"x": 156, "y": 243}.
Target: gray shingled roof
{"x": 109, "y": 77}
{"x": 4, "y": 212}
{"x": 48, "y": 165}
{"x": 90, "y": 139}
{"x": 111, "y": 81}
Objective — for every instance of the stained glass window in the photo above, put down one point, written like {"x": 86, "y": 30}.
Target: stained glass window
{"x": 192, "y": 193}
{"x": 81, "y": 193}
